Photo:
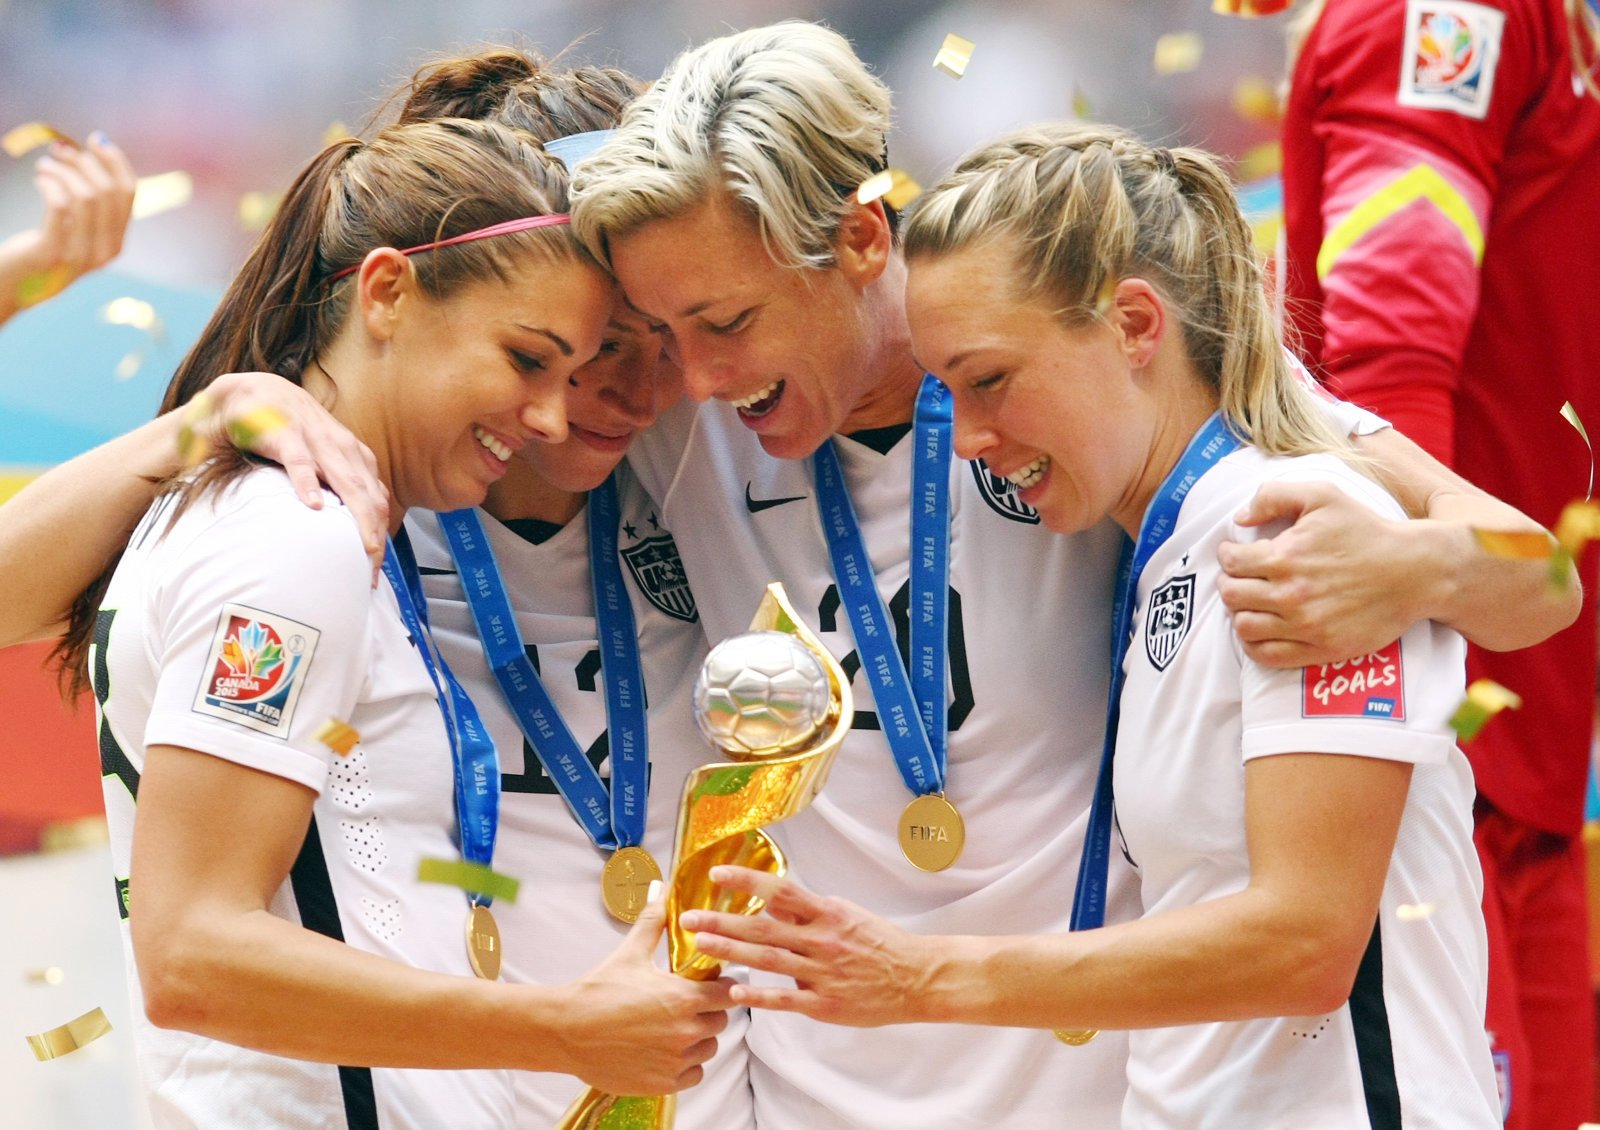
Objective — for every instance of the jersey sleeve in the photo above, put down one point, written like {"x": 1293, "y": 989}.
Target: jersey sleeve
{"x": 1394, "y": 703}
{"x": 260, "y": 634}
{"x": 1413, "y": 105}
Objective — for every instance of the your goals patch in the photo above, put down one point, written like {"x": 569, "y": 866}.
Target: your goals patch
{"x": 1451, "y": 50}
{"x": 1368, "y": 686}
{"x": 255, "y": 669}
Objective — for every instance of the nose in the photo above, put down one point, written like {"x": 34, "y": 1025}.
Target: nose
{"x": 544, "y": 413}
{"x": 973, "y": 437}
{"x": 633, "y": 394}
{"x": 704, "y": 375}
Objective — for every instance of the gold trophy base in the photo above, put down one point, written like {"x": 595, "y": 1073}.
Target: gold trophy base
{"x": 597, "y": 1111}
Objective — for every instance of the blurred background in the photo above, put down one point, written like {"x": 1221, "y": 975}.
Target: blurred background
{"x": 237, "y": 94}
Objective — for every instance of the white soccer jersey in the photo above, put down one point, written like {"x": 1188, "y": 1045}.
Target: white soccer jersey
{"x": 558, "y": 928}
{"x": 1029, "y": 660}
{"x": 1194, "y": 711}
{"x": 237, "y": 632}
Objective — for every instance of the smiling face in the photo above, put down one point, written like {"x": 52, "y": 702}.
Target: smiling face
{"x": 792, "y": 348}
{"x": 613, "y": 397}
{"x": 1060, "y": 412}
{"x": 477, "y": 376}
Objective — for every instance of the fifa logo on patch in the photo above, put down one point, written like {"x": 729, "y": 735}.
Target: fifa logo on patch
{"x": 1451, "y": 50}
{"x": 254, "y": 669}
{"x": 1001, "y": 495}
{"x": 1167, "y": 622}
{"x": 658, "y": 573}
{"x": 1368, "y": 686}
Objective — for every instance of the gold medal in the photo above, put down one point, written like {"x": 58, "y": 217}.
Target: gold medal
{"x": 625, "y": 881}
{"x": 483, "y": 943}
{"x": 932, "y": 833}
{"x": 1076, "y": 1037}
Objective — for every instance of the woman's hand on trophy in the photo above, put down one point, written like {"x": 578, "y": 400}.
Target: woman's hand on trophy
{"x": 849, "y": 966}
{"x": 631, "y": 1028}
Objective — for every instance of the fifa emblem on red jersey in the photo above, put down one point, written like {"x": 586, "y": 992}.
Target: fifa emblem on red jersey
{"x": 658, "y": 573}
{"x": 1171, "y": 612}
{"x": 1451, "y": 50}
{"x": 253, "y": 669}
{"x": 1001, "y": 495}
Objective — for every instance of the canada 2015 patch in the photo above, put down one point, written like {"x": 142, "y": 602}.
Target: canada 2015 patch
{"x": 255, "y": 669}
{"x": 1368, "y": 686}
{"x": 1451, "y": 50}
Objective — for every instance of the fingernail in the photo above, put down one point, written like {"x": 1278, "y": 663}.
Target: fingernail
{"x": 98, "y": 137}
{"x": 653, "y": 890}
{"x": 314, "y": 498}
{"x": 719, "y": 874}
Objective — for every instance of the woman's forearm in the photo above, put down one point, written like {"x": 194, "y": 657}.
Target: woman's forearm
{"x": 62, "y": 529}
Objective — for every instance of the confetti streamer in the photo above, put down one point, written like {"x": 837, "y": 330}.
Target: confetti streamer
{"x": 341, "y": 737}
{"x": 336, "y": 131}
{"x": 140, "y": 315}
{"x": 256, "y": 209}
{"x": 50, "y": 976}
{"x": 1256, "y": 100}
{"x": 1082, "y": 109}
{"x": 1570, "y": 415}
{"x": 1177, "y": 52}
{"x": 1519, "y": 545}
{"x": 1485, "y": 698}
{"x": 248, "y": 430}
{"x": 24, "y": 139}
{"x": 192, "y": 446}
{"x": 891, "y": 185}
{"x": 1264, "y": 160}
{"x": 70, "y": 1036}
{"x": 1249, "y": 9}
{"x": 1415, "y": 912}
{"x": 35, "y": 288}
{"x": 474, "y": 878}
{"x": 162, "y": 192}
{"x": 954, "y": 56}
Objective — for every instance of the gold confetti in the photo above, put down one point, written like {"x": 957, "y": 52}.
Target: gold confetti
{"x": 24, "y": 139}
{"x": 341, "y": 737}
{"x": 1579, "y": 523}
{"x": 1485, "y": 698}
{"x": 74, "y": 835}
{"x": 954, "y": 56}
{"x": 1082, "y": 109}
{"x": 336, "y": 131}
{"x": 48, "y": 976}
{"x": 1264, "y": 160}
{"x": 1256, "y": 100}
{"x": 1106, "y": 296}
{"x": 892, "y": 185}
{"x": 1519, "y": 545}
{"x": 248, "y": 430}
{"x": 135, "y": 312}
{"x": 70, "y": 1036}
{"x": 1177, "y": 52}
{"x": 193, "y": 447}
{"x": 162, "y": 192}
{"x": 1570, "y": 415}
{"x": 35, "y": 288}
{"x": 1249, "y": 9}
{"x": 129, "y": 366}
{"x": 1415, "y": 912}
{"x": 256, "y": 209}
{"x": 474, "y": 878}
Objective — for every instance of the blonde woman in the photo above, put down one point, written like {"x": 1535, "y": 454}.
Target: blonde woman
{"x": 1311, "y": 952}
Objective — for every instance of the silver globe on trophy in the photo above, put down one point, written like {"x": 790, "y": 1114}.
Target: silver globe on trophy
{"x": 778, "y": 705}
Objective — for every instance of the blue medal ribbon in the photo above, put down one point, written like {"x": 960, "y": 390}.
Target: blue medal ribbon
{"x": 611, "y": 818}
{"x": 1213, "y": 442}
{"x": 911, "y": 708}
{"x": 477, "y": 768}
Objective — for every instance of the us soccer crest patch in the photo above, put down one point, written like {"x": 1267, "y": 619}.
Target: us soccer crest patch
{"x": 1451, "y": 50}
{"x": 1167, "y": 623}
{"x": 1368, "y": 686}
{"x": 255, "y": 669}
{"x": 658, "y": 572}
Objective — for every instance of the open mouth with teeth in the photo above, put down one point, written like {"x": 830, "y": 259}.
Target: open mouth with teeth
{"x": 493, "y": 446}
{"x": 1024, "y": 477}
{"x": 761, "y": 402}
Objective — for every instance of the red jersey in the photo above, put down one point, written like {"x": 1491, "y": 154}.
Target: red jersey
{"x": 1442, "y": 212}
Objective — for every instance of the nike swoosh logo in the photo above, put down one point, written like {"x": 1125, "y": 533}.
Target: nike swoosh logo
{"x": 757, "y": 505}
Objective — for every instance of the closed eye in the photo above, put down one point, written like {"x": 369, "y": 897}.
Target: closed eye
{"x": 525, "y": 362}
{"x": 985, "y": 384}
{"x": 734, "y": 326}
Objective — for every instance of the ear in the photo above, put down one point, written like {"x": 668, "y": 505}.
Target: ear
{"x": 1138, "y": 315}
{"x": 864, "y": 243}
{"x": 385, "y": 284}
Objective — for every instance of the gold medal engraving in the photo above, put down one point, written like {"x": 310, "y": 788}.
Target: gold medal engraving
{"x": 932, "y": 833}
{"x": 625, "y": 881}
{"x": 483, "y": 943}
{"x": 1076, "y": 1037}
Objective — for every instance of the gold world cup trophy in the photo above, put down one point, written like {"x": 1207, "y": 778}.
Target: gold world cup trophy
{"x": 778, "y": 705}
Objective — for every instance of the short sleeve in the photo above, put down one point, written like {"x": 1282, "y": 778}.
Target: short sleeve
{"x": 260, "y": 632}
{"x": 1394, "y": 703}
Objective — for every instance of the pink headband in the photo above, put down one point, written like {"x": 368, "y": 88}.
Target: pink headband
{"x": 506, "y": 228}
